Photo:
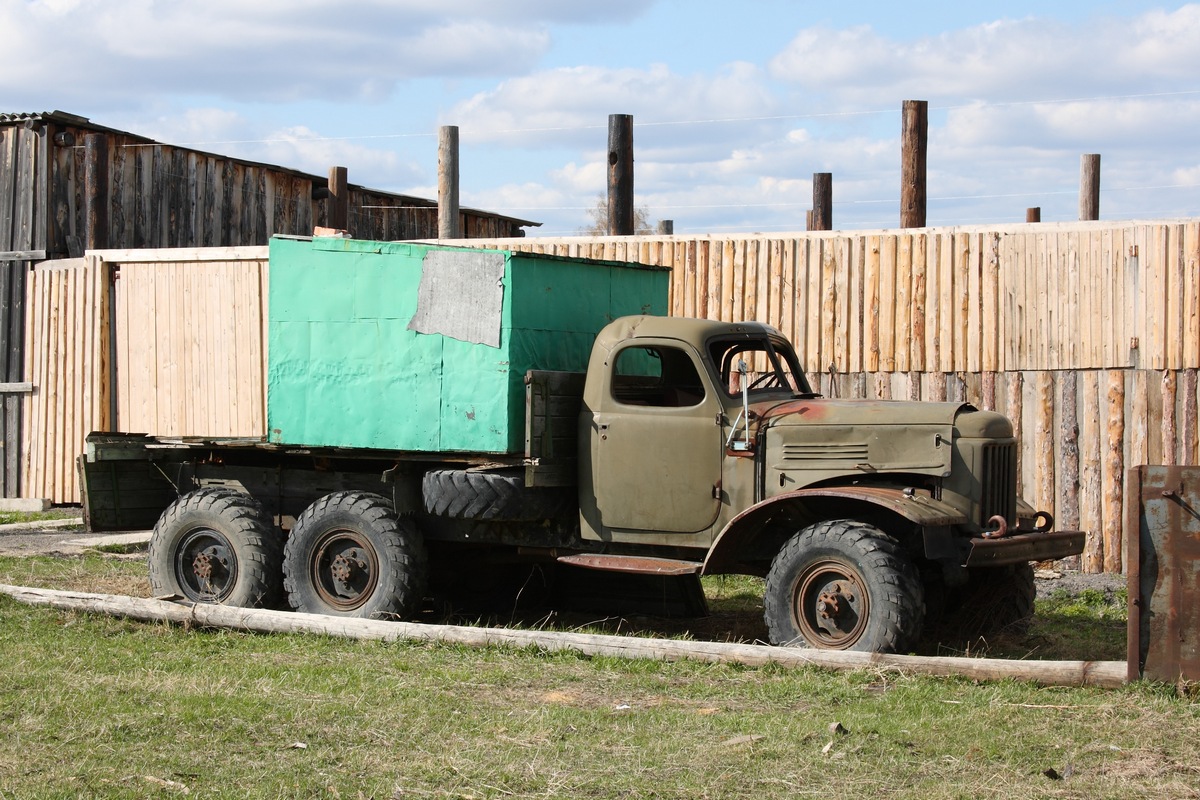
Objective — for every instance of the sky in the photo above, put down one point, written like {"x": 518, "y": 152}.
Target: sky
{"x": 735, "y": 105}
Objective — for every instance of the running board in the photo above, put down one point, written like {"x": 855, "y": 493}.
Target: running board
{"x": 636, "y": 565}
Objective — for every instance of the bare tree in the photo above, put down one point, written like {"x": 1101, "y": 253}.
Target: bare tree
{"x": 598, "y": 214}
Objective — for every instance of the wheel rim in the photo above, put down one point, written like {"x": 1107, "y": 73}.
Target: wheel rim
{"x": 344, "y": 568}
{"x": 830, "y": 605}
{"x": 206, "y": 567}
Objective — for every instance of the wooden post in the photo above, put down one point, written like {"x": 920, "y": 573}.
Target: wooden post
{"x": 822, "y": 215}
{"x": 95, "y": 191}
{"x": 339, "y": 199}
{"x": 449, "y": 223}
{"x": 620, "y": 175}
{"x": 1033, "y": 214}
{"x": 1089, "y": 186}
{"x": 666, "y": 227}
{"x": 808, "y": 220}
{"x": 914, "y": 145}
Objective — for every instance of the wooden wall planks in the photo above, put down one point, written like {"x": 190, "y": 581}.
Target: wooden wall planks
{"x": 1085, "y": 335}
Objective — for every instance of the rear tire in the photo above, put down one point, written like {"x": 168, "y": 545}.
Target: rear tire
{"x": 843, "y": 585}
{"x": 350, "y": 555}
{"x": 217, "y": 546}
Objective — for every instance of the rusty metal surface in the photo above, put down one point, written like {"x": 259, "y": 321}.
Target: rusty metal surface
{"x": 1162, "y": 541}
{"x": 997, "y": 551}
{"x": 638, "y": 565}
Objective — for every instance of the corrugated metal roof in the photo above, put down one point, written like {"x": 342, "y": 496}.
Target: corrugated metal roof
{"x": 74, "y": 120}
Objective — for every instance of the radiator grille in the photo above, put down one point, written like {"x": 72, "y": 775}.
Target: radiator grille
{"x": 999, "y": 492}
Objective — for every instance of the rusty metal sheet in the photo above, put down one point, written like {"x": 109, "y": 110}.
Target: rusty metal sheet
{"x": 637, "y": 565}
{"x": 1162, "y": 541}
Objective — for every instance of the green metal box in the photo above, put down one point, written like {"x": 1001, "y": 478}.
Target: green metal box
{"x": 416, "y": 347}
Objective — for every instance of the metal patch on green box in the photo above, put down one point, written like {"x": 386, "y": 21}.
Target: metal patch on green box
{"x": 417, "y": 347}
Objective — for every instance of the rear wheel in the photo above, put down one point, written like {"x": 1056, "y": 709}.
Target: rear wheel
{"x": 217, "y": 546}
{"x": 350, "y": 555}
{"x": 843, "y": 585}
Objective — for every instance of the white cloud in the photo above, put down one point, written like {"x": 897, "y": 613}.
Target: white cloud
{"x": 1025, "y": 59}
{"x": 263, "y": 51}
{"x": 571, "y": 104}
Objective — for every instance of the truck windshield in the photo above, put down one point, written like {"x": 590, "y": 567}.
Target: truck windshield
{"x": 771, "y": 367}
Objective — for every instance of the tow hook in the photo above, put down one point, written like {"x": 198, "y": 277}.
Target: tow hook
{"x": 1043, "y": 522}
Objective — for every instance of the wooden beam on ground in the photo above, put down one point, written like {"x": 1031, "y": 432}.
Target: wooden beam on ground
{"x": 1109, "y": 674}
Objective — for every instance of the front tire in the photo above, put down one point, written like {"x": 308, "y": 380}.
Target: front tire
{"x": 217, "y": 546}
{"x": 843, "y": 585}
{"x": 350, "y": 555}
{"x": 995, "y": 600}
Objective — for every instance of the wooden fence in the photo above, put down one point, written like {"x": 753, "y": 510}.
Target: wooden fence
{"x": 171, "y": 342}
{"x": 1087, "y": 335}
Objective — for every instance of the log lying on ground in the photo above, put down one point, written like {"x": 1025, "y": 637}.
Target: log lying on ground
{"x": 1050, "y": 673}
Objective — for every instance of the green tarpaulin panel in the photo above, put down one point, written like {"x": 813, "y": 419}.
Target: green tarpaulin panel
{"x": 417, "y": 347}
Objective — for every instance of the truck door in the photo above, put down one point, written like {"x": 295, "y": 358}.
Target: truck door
{"x": 656, "y": 444}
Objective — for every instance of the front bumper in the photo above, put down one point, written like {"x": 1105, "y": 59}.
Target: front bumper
{"x": 1018, "y": 548}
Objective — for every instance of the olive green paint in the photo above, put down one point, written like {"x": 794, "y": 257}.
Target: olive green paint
{"x": 345, "y": 370}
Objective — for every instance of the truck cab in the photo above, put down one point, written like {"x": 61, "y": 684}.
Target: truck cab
{"x": 707, "y": 438}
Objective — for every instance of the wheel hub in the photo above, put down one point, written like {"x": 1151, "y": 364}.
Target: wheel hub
{"x": 344, "y": 569}
{"x": 205, "y": 567}
{"x": 347, "y": 566}
{"x": 830, "y": 605}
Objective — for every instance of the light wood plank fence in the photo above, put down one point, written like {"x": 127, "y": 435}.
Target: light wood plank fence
{"x": 165, "y": 341}
{"x": 1087, "y": 335}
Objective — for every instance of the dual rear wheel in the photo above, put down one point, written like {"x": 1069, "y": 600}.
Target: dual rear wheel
{"x": 349, "y": 554}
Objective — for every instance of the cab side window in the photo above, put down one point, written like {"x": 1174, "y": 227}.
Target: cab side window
{"x": 654, "y": 375}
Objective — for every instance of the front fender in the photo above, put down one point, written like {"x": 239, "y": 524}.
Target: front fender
{"x": 804, "y": 506}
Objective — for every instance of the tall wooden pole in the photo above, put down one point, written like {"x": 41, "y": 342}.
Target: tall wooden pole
{"x": 1033, "y": 214}
{"x": 620, "y": 175}
{"x": 914, "y": 145}
{"x": 1089, "y": 186}
{"x": 822, "y": 213}
{"x": 339, "y": 199}
{"x": 95, "y": 191}
{"x": 449, "y": 223}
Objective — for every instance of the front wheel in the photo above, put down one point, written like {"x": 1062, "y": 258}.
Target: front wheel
{"x": 843, "y": 585}
{"x": 350, "y": 555}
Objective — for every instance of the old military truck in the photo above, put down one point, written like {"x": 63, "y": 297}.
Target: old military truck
{"x": 432, "y": 410}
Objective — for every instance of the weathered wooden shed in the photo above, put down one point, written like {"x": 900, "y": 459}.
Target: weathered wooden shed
{"x": 68, "y": 185}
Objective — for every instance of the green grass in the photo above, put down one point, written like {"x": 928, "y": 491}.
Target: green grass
{"x": 98, "y": 707}
{"x": 13, "y": 517}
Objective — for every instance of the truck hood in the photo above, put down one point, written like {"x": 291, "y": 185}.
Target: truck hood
{"x": 808, "y": 440}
